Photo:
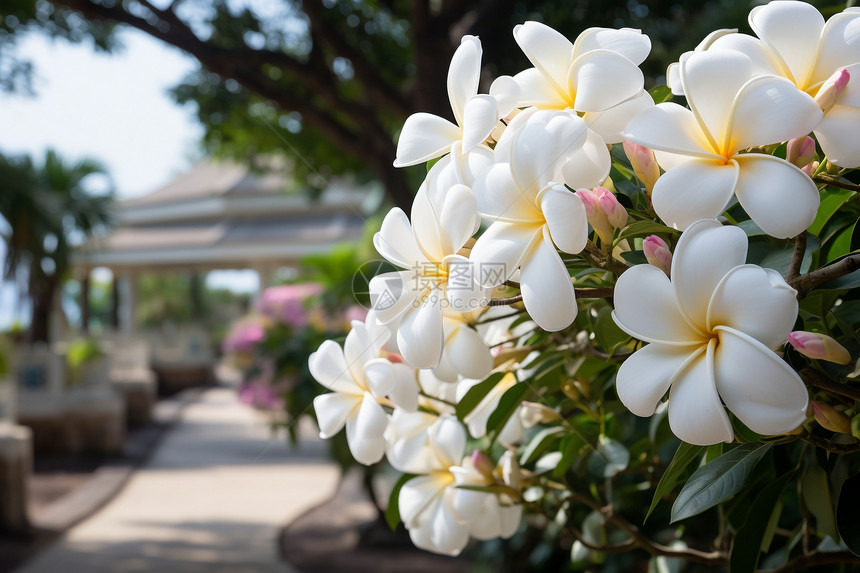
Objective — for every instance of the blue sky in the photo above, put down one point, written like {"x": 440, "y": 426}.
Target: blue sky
{"x": 111, "y": 107}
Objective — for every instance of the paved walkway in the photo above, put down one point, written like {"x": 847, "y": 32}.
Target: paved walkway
{"x": 212, "y": 499}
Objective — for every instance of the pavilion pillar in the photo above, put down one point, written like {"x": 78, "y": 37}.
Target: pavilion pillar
{"x": 266, "y": 274}
{"x": 114, "y": 302}
{"x": 128, "y": 301}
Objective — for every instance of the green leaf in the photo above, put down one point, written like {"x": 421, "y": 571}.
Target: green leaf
{"x": 609, "y": 458}
{"x": 570, "y": 447}
{"x": 684, "y": 456}
{"x": 816, "y": 496}
{"x": 477, "y": 393}
{"x": 606, "y": 331}
{"x": 540, "y": 443}
{"x": 718, "y": 480}
{"x": 392, "y": 512}
{"x": 661, "y": 94}
{"x": 644, "y": 228}
{"x": 846, "y": 514}
{"x": 751, "y": 535}
{"x": 507, "y": 406}
{"x": 831, "y": 201}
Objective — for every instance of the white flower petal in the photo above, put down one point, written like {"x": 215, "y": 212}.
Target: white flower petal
{"x": 417, "y": 494}
{"x": 359, "y": 348}
{"x": 469, "y": 354}
{"x": 509, "y": 520}
{"x": 423, "y": 137}
{"x": 565, "y": 217}
{"x": 444, "y": 371}
{"x": 693, "y": 190}
{"x": 547, "y": 50}
{"x": 498, "y": 252}
{"x": 711, "y": 81}
{"x": 630, "y": 43}
{"x": 536, "y": 90}
{"x": 419, "y": 336}
{"x": 332, "y": 411}
{"x": 499, "y": 196}
{"x": 542, "y": 147}
{"x": 390, "y": 294}
{"x": 429, "y": 235}
{"x": 395, "y": 241}
{"x": 479, "y": 120}
{"x": 771, "y": 110}
{"x": 461, "y": 290}
{"x": 506, "y": 90}
{"x": 673, "y": 78}
{"x": 590, "y": 165}
{"x": 757, "y": 386}
{"x": 545, "y": 284}
{"x": 464, "y": 74}
{"x": 669, "y": 127}
{"x": 458, "y": 218}
{"x": 646, "y": 308}
{"x": 837, "y": 134}
{"x": 791, "y": 30}
{"x": 404, "y": 395}
{"x": 696, "y": 414}
{"x": 409, "y": 448}
{"x": 329, "y": 367}
{"x": 763, "y": 60}
{"x": 778, "y": 196}
{"x": 755, "y": 301}
{"x": 364, "y": 431}
{"x": 611, "y": 122}
{"x": 603, "y": 79}
{"x": 704, "y": 254}
{"x": 448, "y": 439}
{"x": 381, "y": 377}
{"x": 449, "y": 534}
{"x": 646, "y": 375}
{"x": 840, "y": 44}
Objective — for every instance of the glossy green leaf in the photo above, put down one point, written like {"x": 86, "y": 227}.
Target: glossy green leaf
{"x": 831, "y": 200}
{"x": 608, "y": 458}
{"x": 508, "y": 404}
{"x": 540, "y": 443}
{"x": 846, "y": 514}
{"x": 751, "y": 536}
{"x": 718, "y": 480}
{"x": 661, "y": 94}
{"x": 816, "y": 496}
{"x": 643, "y": 229}
{"x": 477, "y": 393}
{"x": 684, "y": 456}
{"x": 570, "y": 447}
{"x": 392, "y": 512}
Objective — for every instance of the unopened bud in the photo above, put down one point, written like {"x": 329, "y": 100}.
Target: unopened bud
{"x": 829, "y": 93}
{"x": 483, "y": 464}
{"x": 510, "y": 470}
{"x": 830, "y": 418}
{"x": 818, "y": 346}
{"x": 800, "y": 151}
{"x": 533, "y": 414}
{"x": 811, "y": 168}
{"x": 616, "y": 214}
{"x": 644, "y": 164}
{"x": 657, "y": 252}
{"x": 594, "y": 212}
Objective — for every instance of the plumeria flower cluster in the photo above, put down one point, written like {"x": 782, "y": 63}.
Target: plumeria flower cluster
{"x": 539, "y": 255}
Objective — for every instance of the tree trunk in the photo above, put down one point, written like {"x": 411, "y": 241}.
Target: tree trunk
{"x": 42, "y": 290}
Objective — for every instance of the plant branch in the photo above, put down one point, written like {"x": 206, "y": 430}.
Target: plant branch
{"x": 622, "y": 547}
{"x": 826, "y": 444}
{"x": 836, "y": 182}
{"x": 797, "y": 257}
{"x": 597, "y": 292}
{"x": 805, "y": 283}
{"x": 813, "y": 559}
{"x": 812, "y": 377}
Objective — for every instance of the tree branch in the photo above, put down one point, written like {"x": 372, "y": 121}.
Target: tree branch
{"x": 804, "y": 562}
{"x": 601, "y": 292}
{"x": 836, "y": 182}
{"x": 805, "y": 283}
{"x": 797, "y": 257}
{"x": 830, "y": 446}
{"x": 812, "y": 377}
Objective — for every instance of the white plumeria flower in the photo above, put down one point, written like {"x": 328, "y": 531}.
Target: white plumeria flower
{"x": 476, "y": 420}
{"x": 532, "y": 214}
{"x": 438, "y": 514}
{"x": 359, "y": 378}
{"x": 426, "y": 136}
{"x": 598, "y": 75}
{"x": 711, "y": 331}
{"x": 795, "y": 42}
{"x": 731, "y": 109}
{"x": 465, "y": 353}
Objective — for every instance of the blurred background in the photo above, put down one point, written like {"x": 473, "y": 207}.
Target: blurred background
{"x": 188, "y": 189}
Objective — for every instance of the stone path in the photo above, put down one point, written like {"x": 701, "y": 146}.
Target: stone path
{"x": 212, "y": 499}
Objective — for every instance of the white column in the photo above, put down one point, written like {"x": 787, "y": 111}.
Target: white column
{"x": 127, "y": 301}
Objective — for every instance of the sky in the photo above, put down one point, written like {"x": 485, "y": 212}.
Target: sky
{"x": 110, "y": 107}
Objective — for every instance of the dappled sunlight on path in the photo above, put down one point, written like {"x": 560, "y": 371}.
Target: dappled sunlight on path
{"x": 211, "y": 499}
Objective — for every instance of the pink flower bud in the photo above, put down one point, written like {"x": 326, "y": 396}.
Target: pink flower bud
{"x": 800, "y": 151}
{"x": 830, "y": 418}
{"x": 643, "y": 162}
{"x": 810, "y": 168}
{"x": 589, "y": 201}
{"x": 657, "y": 252}
{"x": 828, "y": 94}
{"x": 616, "y": 214}
{"x": 595, "y": 214}
{"x": 818, "y": 346}
{"x": 483, "y": 464}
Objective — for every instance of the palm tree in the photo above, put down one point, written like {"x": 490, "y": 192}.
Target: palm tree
{"x": 47, "y": 212}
